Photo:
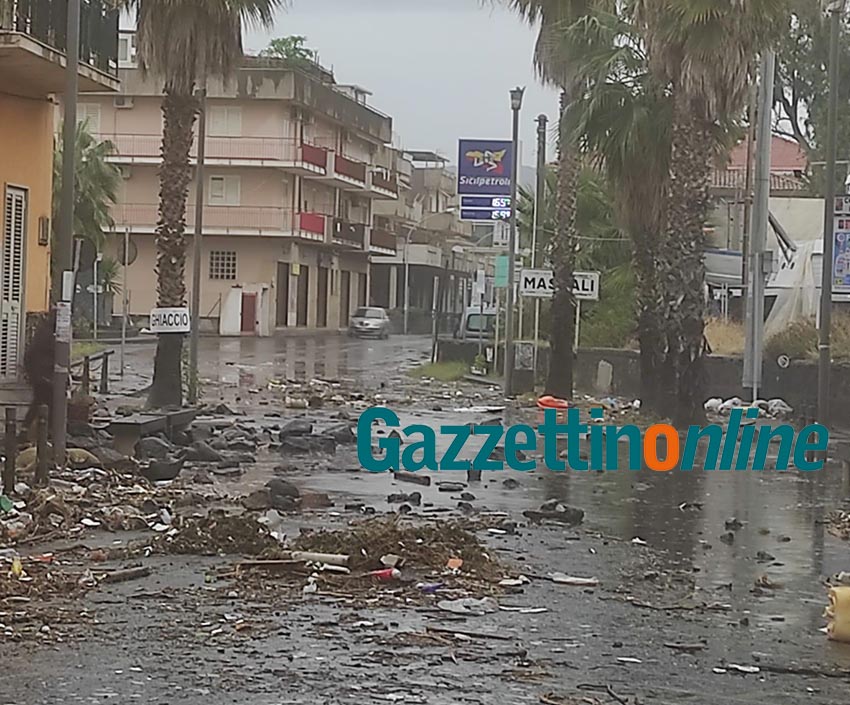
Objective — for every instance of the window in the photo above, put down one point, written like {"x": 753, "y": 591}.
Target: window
{"x": 223, "y": 264}
{"x": 225, "y": 121}
{"x": 89, "y": 113}
{"x": 364, "y": 312}
{"x": 224, "y": 190}
{"x": 123, "y": 48}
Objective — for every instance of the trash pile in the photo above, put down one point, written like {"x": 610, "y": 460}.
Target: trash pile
{"x": 421, "y": 546}
{"x": 772, "y": 408}
{"x": 217, "y": 533}
{"x": 91, "y": 498}
{"x": 318, "y": 393}
{"x": 838, "y": 524}
{"x": 28, "y": 577}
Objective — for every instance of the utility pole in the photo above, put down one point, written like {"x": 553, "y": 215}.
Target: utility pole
{"x": 516, "y": 105}
{"x": 758, "y": 232}
{"x": 196, "y": 247}
{"x": 836, "y": 10}
{"x": 748, "y": 186}
{"x": 539, "y": 197}
{"x": 63, "y": 283}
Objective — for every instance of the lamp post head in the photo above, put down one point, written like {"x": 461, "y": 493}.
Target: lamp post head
{"x": 516, "y": 97}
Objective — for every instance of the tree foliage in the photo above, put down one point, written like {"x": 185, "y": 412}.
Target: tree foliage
{"x": 96, "y": 183}
{"x": 290, "y": 49}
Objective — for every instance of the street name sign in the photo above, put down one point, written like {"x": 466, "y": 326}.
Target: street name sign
{"x": 540, "y": 283}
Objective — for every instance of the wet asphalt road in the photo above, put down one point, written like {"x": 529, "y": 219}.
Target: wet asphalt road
{"x": 159, "y": 650}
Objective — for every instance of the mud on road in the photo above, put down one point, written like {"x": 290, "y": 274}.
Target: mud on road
{"x": 709, "y": 588}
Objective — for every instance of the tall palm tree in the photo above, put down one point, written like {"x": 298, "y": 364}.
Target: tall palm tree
{"x": 182, "y": 43}
{"x": 705, "y": 50}
{"x": 622, "y": 124}
{"x": 554, "y": 59}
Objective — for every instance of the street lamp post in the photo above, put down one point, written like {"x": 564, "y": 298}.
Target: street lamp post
{"x": 516, "y": 105}
{"x": 63, "y": 284}
{"x": 836, "y": 8}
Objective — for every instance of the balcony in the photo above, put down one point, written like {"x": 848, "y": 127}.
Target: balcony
{"x": 250, "y": 221}
{"x": 348, "y": 234}
{"x": 383, "y": 184}
{"x": 277, "y": 152}
{"x": 382, "y": 242}
{"x": 33, "y": 42}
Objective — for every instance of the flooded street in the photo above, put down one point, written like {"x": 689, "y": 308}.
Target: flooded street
{"x": 710, "y": 584}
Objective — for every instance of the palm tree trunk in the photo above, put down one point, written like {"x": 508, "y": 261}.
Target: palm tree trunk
{"x": 650, "y": 317}
{"x": 683, "y": 269}
{"x": 175, "y": 175}
{"x": 560, "y": 378}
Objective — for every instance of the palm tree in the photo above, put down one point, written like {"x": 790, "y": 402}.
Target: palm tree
{"x": 554, "y": 59}
{"x": 622, "y": 124}
{"x": 704, "y": 50}
{"x": 96, "y": 188}
{"x": 183, "y": 43}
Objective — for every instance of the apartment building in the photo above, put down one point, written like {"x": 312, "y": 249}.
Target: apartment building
{"x": 433, "y": 245}
{"x": 293, "y": 165}
{"x": 32, "y": 71}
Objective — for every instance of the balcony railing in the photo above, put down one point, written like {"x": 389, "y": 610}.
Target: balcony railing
{"x": 277, "y": 149}
{"x": 46, "y": 21}
{"x": 312, "y": 223}
{"x": 386, "y": 181}
{"x": 350, "y": 168}
{"x": 349, "y": 233}
{"x": 383, "y": 239}
{"x": 249, "y": 218}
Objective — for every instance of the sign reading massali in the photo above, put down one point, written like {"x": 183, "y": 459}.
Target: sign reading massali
{"x": 540, "y": 283}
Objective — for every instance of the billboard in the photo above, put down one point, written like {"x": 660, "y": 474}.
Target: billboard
{"x": 484, "y": 170}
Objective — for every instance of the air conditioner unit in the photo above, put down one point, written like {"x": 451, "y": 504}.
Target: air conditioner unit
{"x": 125, "y": 171}
{"x": 123, "y": 101}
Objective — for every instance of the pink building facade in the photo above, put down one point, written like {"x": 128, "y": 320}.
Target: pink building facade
{"x": 293, "y": 166}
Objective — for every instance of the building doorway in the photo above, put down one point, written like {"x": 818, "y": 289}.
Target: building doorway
{"x": 344, "y": 298}
{"x": 303, "y": 295}
{"x": 249, "y": 314}
{"x": 361, "y": 290}
{"x": 322, "y": 311}
{"x": 282, "y": 312}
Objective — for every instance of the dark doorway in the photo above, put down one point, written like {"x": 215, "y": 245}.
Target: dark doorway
{"x": 361, "y": 290}
{"x": 303, "y": 295}
{"x": 344, "y": 298}
{"x": 322, "y": 312}
{"x": 282, "y": 313}
{"x": 249, "y": 313}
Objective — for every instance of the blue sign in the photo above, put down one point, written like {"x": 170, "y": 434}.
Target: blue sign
{"x": 484, "y": 168}
{"x": 841, "y": 255}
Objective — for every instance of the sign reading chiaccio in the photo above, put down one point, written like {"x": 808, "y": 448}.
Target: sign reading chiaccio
{"x": 170, "y": 320}
{"x": 540, "y": 283}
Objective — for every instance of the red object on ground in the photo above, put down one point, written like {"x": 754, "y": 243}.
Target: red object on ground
{"x": 386, "y": 574}
{"x": 550, "y": 402}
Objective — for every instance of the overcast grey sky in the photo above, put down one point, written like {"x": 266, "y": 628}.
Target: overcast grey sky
{"x": 441, "y": 68}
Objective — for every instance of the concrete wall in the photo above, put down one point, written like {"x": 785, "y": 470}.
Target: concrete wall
{"x": 26, "y": 160}
{"x": 797, "y": 384}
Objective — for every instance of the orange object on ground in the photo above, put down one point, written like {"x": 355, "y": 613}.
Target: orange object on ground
{"x": 549, "y": 402}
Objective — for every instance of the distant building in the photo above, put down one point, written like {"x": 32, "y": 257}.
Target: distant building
{"x": 32, "y": 45}
{"x": 435, "y": 247}
{"x": 294, "y": 166}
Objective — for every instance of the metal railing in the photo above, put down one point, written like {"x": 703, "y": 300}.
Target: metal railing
{"x": 46, "y": 21}
{"x": 259, "y": 218}
{"x": 253, "y": 148}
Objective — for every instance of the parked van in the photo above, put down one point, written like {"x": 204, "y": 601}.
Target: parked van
{"x": 475, "y": 325}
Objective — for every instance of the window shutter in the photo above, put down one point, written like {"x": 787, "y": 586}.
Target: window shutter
{"x": 12, "y": 276}
{"x": 90, "y": 114}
